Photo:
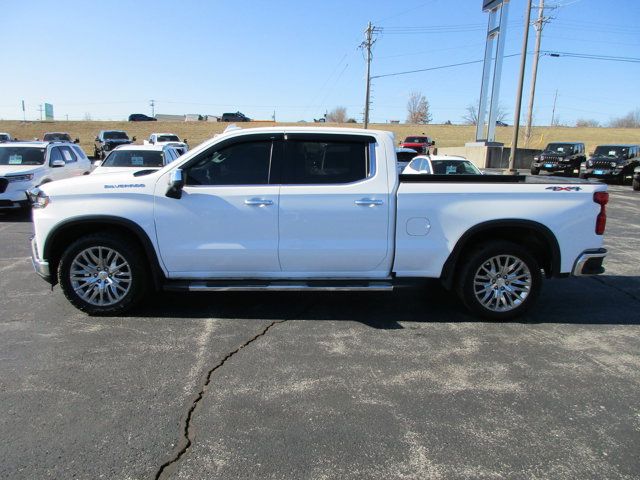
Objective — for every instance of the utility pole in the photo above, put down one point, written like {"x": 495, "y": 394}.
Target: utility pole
{"x": 553, "y": 112}
{"x": 516, "y": 116}
{"x": 367, "y": 44}
{"x": 153, "y": 110}
{"x": 538, "y": 24}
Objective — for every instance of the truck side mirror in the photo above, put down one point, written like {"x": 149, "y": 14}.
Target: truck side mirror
{"x": 97, "y": 139}
{"x": 184, "y": 140}
{"x": 57, "y": 163}
{"x": 77, "y": 140}
{"x": 176, "y": 183}
{"x": 133, "y": 139}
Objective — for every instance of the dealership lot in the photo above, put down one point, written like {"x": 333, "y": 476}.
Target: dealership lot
{"x": 401, "y": 385}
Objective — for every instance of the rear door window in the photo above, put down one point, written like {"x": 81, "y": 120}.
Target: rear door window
{"x": 68, "y": 155}
{"x": 325, "y": 162}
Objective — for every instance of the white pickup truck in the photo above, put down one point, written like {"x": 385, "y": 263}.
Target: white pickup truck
{"x": 170, "y": 139}
{"x": 312, "y": 209}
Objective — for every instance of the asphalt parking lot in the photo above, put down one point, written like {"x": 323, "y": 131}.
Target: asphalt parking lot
{"x": 319, "y": 386}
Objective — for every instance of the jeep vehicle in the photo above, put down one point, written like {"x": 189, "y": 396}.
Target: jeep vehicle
{"x": 613, "y": 162}
{"x": 58, "y": 137}
{"x": 172, "y": 139}
{"x": 107, "y": 140}
{"x": 25, "y": 165}
{"x": 234, "y": 117}
{"x": 295, "y": 208}
{"x": 562, "y": 157}
{"x": 418, "y": 143}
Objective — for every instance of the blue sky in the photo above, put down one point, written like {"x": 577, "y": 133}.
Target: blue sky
{"x": 301, "y": 58}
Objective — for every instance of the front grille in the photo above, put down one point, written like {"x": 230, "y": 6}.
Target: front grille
{"x": 602, "y": 163}
{"x": 3, "y": 184}
{"x": 6, "y": 203}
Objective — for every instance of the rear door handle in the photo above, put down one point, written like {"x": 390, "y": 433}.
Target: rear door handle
{"x": 258, "y": 202}
{"x": 368, "y": 202}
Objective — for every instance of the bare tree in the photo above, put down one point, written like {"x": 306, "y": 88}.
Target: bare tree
{"x": 418, "y": 109}
{"x": 471, "y": 117}
{"x": 337, "y": 115}
{"x": 87, "y": 117}
{"x": 587, "y": 123}
{"x": 630, "y": 120}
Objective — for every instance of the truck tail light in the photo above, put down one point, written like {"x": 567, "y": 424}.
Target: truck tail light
{"x": 601, "y": 198}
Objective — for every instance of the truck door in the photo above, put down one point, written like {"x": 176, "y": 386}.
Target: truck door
{"x": 334, "y": 208}
{"x": 226, "y": 223}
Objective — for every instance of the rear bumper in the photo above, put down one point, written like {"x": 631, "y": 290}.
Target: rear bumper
{"x": 589, "y": 262}
{"x": 40, "y": 266}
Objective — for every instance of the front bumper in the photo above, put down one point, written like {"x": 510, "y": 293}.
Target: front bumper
{"x": 589, "y": 262}
{"x": 553, "y": 167}
{"x": 14, "y": 199}
{"x": 40, "y": 266}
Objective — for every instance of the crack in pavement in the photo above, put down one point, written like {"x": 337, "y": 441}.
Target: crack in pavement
{"x": 185, "y": 441}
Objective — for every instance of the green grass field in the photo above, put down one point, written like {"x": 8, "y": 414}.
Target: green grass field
{"x": 197, "y": 132}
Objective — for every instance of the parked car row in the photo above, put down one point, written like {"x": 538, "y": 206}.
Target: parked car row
{"x": 607, "y": 162}
{"x": 25, "y": 165}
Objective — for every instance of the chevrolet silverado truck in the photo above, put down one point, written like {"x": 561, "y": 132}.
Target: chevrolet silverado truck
{"x": 312, "y": 209}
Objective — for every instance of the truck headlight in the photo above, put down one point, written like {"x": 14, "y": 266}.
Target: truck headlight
{"x": 38, "y": 198}
{"x": 19, "y": 178}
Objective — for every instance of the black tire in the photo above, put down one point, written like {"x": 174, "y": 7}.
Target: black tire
{"x": 468, "y": 289}
{"x": 135, "y": 278}
{"x": 636, "y": 184}
{"x": 535, "y": 171}
{"x": 582, "y": 176}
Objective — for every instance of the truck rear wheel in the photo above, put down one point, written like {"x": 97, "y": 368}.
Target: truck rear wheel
{"x": 103, "y": 274}
{"x": 636, "y": 184}
{"x": 499, "y": 280}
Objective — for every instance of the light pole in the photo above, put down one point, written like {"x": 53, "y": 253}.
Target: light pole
{"x": 516, "y": 115}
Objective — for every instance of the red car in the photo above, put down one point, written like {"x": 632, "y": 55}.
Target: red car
{"x": 420, "y": 144}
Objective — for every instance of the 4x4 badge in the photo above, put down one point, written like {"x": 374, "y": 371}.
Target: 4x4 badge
{"x": 564, "y": 189}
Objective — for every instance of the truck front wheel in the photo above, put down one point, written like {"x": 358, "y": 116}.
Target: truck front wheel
{"x": 103, "y": 274}
{"x": 499, "y": 280}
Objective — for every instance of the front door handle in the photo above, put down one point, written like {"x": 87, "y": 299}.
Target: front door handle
{"x": 258, "y": 202}
{"x": 368, "y": 202}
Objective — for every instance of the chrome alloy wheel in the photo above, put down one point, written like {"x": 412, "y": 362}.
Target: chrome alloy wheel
{"x": 502, "y": 283}
{"x": 100, "y": 276}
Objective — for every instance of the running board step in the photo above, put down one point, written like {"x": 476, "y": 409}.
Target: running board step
{"x": 279, "y": 286}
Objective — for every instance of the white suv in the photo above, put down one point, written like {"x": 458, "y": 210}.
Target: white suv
{"x": 24, "y": 165}
{"x": 168, "y": 139}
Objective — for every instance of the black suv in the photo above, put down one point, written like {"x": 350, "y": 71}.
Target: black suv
{"x": 107, "y": 140}
{"x": 234, "y": 117}
{"x": 559, "y": 157}
{"x": 613, "y": 162}
{"x": 141, "y": 117}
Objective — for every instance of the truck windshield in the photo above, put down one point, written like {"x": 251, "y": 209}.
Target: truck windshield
{"x": 416, "y": 140}
{"x": 21, "y": 156}
{"x": 559, "y": 148}
{"x": 134, "y": 158}
{"x": 168, "y": 138}
{"x": 612, "y": 151}
{"x": 115, "y": 136}
{"x": 4, "y": 138}
{"x": 454, "y": 167}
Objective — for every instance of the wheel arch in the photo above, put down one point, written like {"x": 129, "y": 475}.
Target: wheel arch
{"x": 538, "y": 238}
{"x": 73, "y": 228}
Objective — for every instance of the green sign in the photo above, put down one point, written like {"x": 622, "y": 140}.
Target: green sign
{"x": 48, "y": 111}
